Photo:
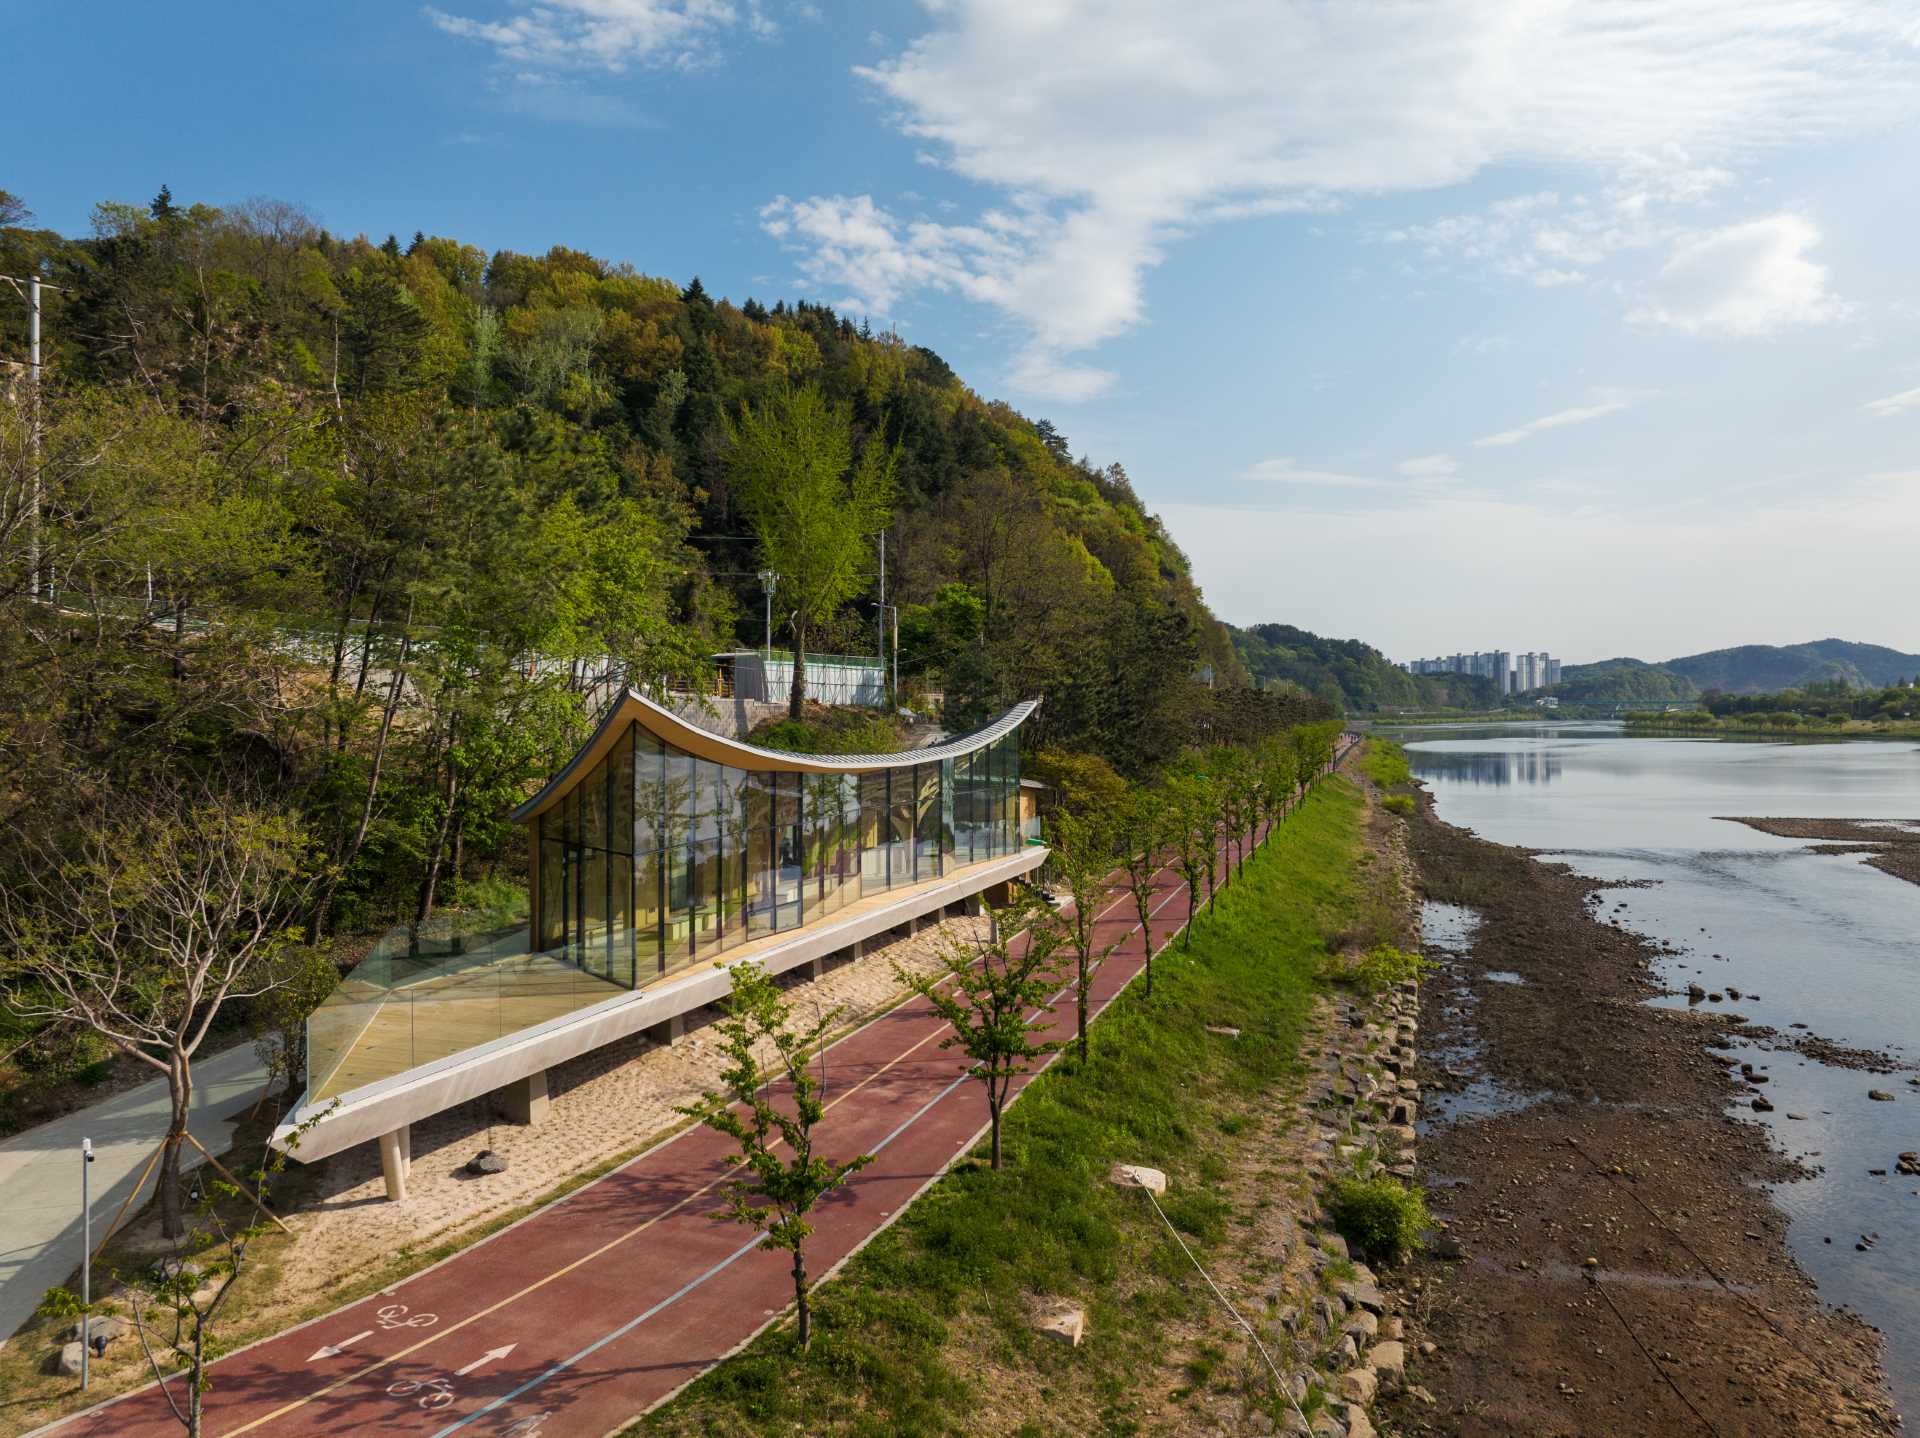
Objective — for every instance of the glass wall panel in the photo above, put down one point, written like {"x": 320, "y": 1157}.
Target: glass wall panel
{"x": 620, "y": 834}
{"x": 1010, "y": 781}
{"x": 593, "y": 807}
{"x": 987, "y": 789}
{"x": 649, "y": 793}
{"x": 873, "y": 832}
{"x": 900, "y": 813}
{"x": 678, "y": 816}
{"x": 553, "y": 903}
{"x": 927, "y": 820}
{"x": 949, "y": 839}
{"x": 730, "y": 823}
{"x": 789, "y": 851}
{"x": 649, "y": 961}
{"x": 762, "y": 871}
{"x": 966, "y": 809}
{"x": 595, "y": 886}
{"x": 649, "y": 822}
{"x": 620, "y": 935}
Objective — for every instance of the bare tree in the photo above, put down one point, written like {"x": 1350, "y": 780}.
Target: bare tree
{"x": 143, "y": 921}
{"x": 178, "y": 1301}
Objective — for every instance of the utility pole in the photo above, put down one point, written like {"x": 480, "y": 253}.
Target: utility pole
{"x": 769, "y": 581}
{"x": 33, "y": 441}
{"x": 880, "y": 620}
{"x": 31, "y": 294}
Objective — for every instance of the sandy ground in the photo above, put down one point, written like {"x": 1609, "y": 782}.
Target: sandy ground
{"x": 604, "y": 1104}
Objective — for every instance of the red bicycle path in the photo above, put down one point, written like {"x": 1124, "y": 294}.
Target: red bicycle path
{"x": 583, "y": 1315}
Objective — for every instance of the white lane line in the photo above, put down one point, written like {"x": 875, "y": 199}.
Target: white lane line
{"x": 674, "y": 1297}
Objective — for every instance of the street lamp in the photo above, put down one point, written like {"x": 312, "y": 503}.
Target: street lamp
{"x": 769, "y": 581}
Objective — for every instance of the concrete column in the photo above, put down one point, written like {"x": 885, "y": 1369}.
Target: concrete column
{"x": 524, "y": 1101}
{"x": 970, "y": 906}
{"x": 395, "y": 1155}
{"x": 857, "y": 948}
{"x": 998, "y": 895}
{"x": 669, "y": 1031}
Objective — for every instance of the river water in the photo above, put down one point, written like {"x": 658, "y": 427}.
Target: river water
{"x": 1808, "y": 938}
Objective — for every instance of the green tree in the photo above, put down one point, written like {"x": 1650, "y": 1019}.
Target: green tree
{"x": 1144, "y": 841}
{"x": 1083, "y": 855}
{"x": 987, "y": 990}
{"x": 1190, "y": 818}
{"x": 815, "y": 508}
{"x": 777, "y": 1192}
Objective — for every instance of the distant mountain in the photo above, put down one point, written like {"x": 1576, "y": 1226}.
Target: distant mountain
{"x": 1768, "y": 668}
{"x": 1745, "y": 669}
{"x": 1350, "y": 673}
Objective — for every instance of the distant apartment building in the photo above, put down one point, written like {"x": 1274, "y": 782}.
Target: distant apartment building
{"x": 1511, "y": 673}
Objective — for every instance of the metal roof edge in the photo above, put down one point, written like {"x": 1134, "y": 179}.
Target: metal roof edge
{"x": 663, "y": 723}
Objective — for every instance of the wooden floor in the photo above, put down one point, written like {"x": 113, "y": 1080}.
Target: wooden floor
{"x": 435, "y": 1018}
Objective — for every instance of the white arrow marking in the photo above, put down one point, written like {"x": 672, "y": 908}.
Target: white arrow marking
{"x": 485, "y": 1358}
{"x": 335, "y": 1349}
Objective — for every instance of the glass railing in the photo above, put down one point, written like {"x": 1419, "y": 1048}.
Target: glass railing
{"x": 430, "y": 991}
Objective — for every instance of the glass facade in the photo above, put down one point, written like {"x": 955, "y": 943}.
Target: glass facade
{"x": 658, "y": 859}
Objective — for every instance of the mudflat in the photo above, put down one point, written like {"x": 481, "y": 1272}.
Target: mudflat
{"x": 1611, "y": 1266}
{"x": 1893, "y": 849}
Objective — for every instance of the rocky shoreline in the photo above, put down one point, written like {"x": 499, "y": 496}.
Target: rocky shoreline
{"x": 1611, "y": 1265}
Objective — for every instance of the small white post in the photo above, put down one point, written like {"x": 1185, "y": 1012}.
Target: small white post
{"x": 86, "y": 1262}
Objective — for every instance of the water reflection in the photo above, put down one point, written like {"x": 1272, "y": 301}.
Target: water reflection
{"x": 1528, "y": 766}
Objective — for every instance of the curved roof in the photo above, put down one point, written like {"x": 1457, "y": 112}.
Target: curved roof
{"x": 667, "y": 725}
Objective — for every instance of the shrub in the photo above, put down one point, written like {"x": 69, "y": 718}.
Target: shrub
{"x": 1401, "y": 804}
{"x": 1381, "y": 1216}
{"x": 1386, "y": 763}
{"x": 1384, "y": 966}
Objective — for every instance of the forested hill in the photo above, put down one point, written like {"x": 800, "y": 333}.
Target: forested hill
{"x": 1350, "y": 673}
{"x": 1767, "y": 668}
{"x": 362, "y": 520}
{"x": 1621, "y": 680}
{"x": 1746, "y": 669}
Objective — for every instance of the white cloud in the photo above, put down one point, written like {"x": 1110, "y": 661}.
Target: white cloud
{"x": 1746, "y": 281}
{"x": 1894, "y": 403}
{"x": 1170, "y": 114}
{"x": 1563, "y": 417}
{"x": 1430, "y": 466}
{"x": 607, "y": 34}
{"x": 1284, "y": 471}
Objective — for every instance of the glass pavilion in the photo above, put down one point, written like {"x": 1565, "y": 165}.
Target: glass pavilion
{"x": 659, "y": 849}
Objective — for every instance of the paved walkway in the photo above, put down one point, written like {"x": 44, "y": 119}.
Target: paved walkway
{"x": 40, "y": 1171}
{"x": 600, "y": 1305}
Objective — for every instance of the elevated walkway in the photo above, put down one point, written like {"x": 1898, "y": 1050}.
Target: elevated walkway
{"x": 501, "y": 1017}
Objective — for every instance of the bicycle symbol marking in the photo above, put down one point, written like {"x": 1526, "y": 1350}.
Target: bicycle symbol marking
{"x": 435, "y": 1393}
{"x": 395, "y": 1315}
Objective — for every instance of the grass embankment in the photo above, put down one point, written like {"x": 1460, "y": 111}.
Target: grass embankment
{"x": 927, "y": 1330}
{"x": 1385, "y": 762}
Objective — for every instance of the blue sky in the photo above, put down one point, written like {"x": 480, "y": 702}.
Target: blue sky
{"x": 1463, "y": 325}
